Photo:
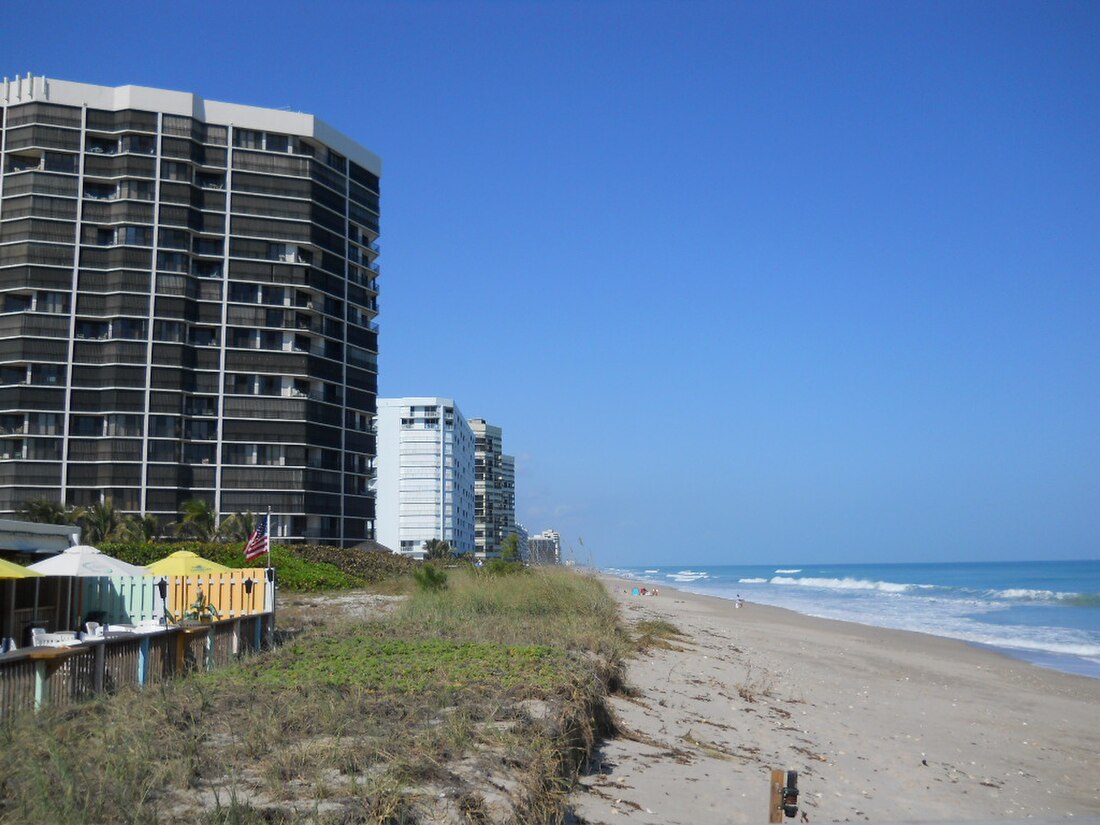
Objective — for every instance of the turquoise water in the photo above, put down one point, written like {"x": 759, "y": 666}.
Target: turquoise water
{"x": 1047, "y": 613}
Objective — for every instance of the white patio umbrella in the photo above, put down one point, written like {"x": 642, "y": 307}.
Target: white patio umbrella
{"x": 85, "y": 560}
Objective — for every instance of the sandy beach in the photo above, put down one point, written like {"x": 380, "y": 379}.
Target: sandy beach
{"x": 882, "y": 725}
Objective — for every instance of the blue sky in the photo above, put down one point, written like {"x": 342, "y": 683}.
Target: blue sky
{"x": 742, "y": 282}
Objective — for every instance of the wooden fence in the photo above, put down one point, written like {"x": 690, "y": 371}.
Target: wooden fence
{"x": 66, "y": 603}
{"x": 34, "y": 677}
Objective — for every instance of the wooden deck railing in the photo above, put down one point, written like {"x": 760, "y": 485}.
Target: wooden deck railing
{"x": 34, "y": 677}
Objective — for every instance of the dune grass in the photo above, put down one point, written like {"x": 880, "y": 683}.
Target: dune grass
{"x": 474, "y": 702}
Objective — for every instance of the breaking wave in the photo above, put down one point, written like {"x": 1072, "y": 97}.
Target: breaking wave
{"x": 688, "y": 576}
{"x": 844, "y": 584}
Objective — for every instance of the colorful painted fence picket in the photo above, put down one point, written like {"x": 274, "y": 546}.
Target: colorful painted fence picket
{"x": 119, "y": 599}
{"x": 137, "y": 599}
{"x": 237, "y": 593}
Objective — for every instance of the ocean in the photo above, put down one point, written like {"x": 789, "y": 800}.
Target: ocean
{"x": 1044, "y": 612}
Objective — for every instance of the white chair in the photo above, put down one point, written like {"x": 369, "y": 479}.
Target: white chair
{"x": 93, "y": 628}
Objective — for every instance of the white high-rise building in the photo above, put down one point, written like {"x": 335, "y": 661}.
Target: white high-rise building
{"x": 425, "y": 470}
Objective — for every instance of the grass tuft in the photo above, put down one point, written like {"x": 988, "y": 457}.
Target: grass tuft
{"x": 657, "y": 633}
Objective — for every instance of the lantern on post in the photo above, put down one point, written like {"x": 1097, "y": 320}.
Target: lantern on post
{"x": 162, "y": 589}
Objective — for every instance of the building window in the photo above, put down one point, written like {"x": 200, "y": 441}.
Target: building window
{"x": 47, "y": 374}
{"x": 277, "y": 143}
{"x": 164, "y": 426}
{"x": 174, "y": 170}
{"x": 56, "y": 302}
{"x": 248, "y": 139}
{"x": 128, "y": 328}
{"x": 134, "y": 236}
{"x": 208, "y": 246}
{"x": 173, "y": 262}
{"x": 174, "y": 238}
{"x": 86, "y": 425}
{"x": 170, "y": 331}
{"x": 92, "y": 330}
{"x": 141, "y": 190}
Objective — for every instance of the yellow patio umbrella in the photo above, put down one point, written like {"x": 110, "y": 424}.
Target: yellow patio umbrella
{"x": 185, "y": 563}
{"x": 10, "y": 570}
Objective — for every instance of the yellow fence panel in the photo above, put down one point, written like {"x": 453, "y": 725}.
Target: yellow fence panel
{"x": 233, "y": 594}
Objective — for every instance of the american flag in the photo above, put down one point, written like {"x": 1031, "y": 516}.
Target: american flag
{"x": 258, "y": 542}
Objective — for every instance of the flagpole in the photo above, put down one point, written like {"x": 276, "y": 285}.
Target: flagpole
{"x": 271, "y": 577}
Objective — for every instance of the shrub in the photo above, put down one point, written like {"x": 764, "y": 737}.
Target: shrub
{"x": 430, "y": 578}
{"x": 501, "y": 567}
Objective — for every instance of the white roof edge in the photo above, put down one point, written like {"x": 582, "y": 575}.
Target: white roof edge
{"x": 117, "y": 98}
{"x": 416, "y": 400}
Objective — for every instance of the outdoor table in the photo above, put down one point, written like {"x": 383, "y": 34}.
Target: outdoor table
{"x": 46, "y": 662}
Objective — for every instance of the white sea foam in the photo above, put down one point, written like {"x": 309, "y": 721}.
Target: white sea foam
{"x": 653, "y": 571}
{"x": 688, "y": 576}
{"x": 1030, "y": 595}
{"x": 843, "y": 584}
{"x": 752, "y": 581}
{"x": 792, "y": 570}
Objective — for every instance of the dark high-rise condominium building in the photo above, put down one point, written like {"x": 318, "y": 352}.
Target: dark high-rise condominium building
{"x": 188, "y": 291}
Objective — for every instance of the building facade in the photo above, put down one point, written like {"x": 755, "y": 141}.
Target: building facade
{"x": 545, "y": 548}
{"x": 494, "y": 490}
{"x": 188, "y": 291}
{"x": 425, "y": 475}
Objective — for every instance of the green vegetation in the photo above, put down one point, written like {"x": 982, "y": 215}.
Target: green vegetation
{"x": 430, "y": 577}
{"x": 509, "y": 548}
{"x": 492, "y": 682}
{"x": 301, "y": 567}
{"x": 437, "y": 549}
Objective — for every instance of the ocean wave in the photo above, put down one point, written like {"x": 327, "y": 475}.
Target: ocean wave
{"x": 1061, "y": 648}
{"x": 752, "y": 581}
{"x": 1081, "y": 599}
{"x": 687, "y": 576}
{"x": 844, "y": 584}
{"x": 792, "y": 570}
{"x": 652, "y": 571}
{"x": 1025, "y": 594}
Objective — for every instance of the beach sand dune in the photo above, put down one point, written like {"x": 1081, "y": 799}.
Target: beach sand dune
{"x": 882, "y": 725}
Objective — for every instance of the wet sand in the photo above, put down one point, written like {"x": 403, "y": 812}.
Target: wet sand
{"x": 882, "y": 725}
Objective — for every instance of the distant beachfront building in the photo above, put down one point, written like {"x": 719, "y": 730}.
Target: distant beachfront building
{"x": 188, "y": 291}
{"x": 494, "y": 490}
{"x": 523, "y": 548}
{"x": 425, "y": 475}
{"x": 545, "y": 548}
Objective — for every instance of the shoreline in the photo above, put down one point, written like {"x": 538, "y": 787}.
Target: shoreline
{"x": 1038, "y": 655}
{"x": 882, "y": 724}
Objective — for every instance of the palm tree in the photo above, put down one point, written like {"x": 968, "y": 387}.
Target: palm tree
{"x": 197, "y": 520}
{"x": 100, "y": 522}
{"x": 237, "y": 527}
{"x": 47, "y": 511}
{"x": 437, "y": 549}
{"x": 138, "y": 528}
